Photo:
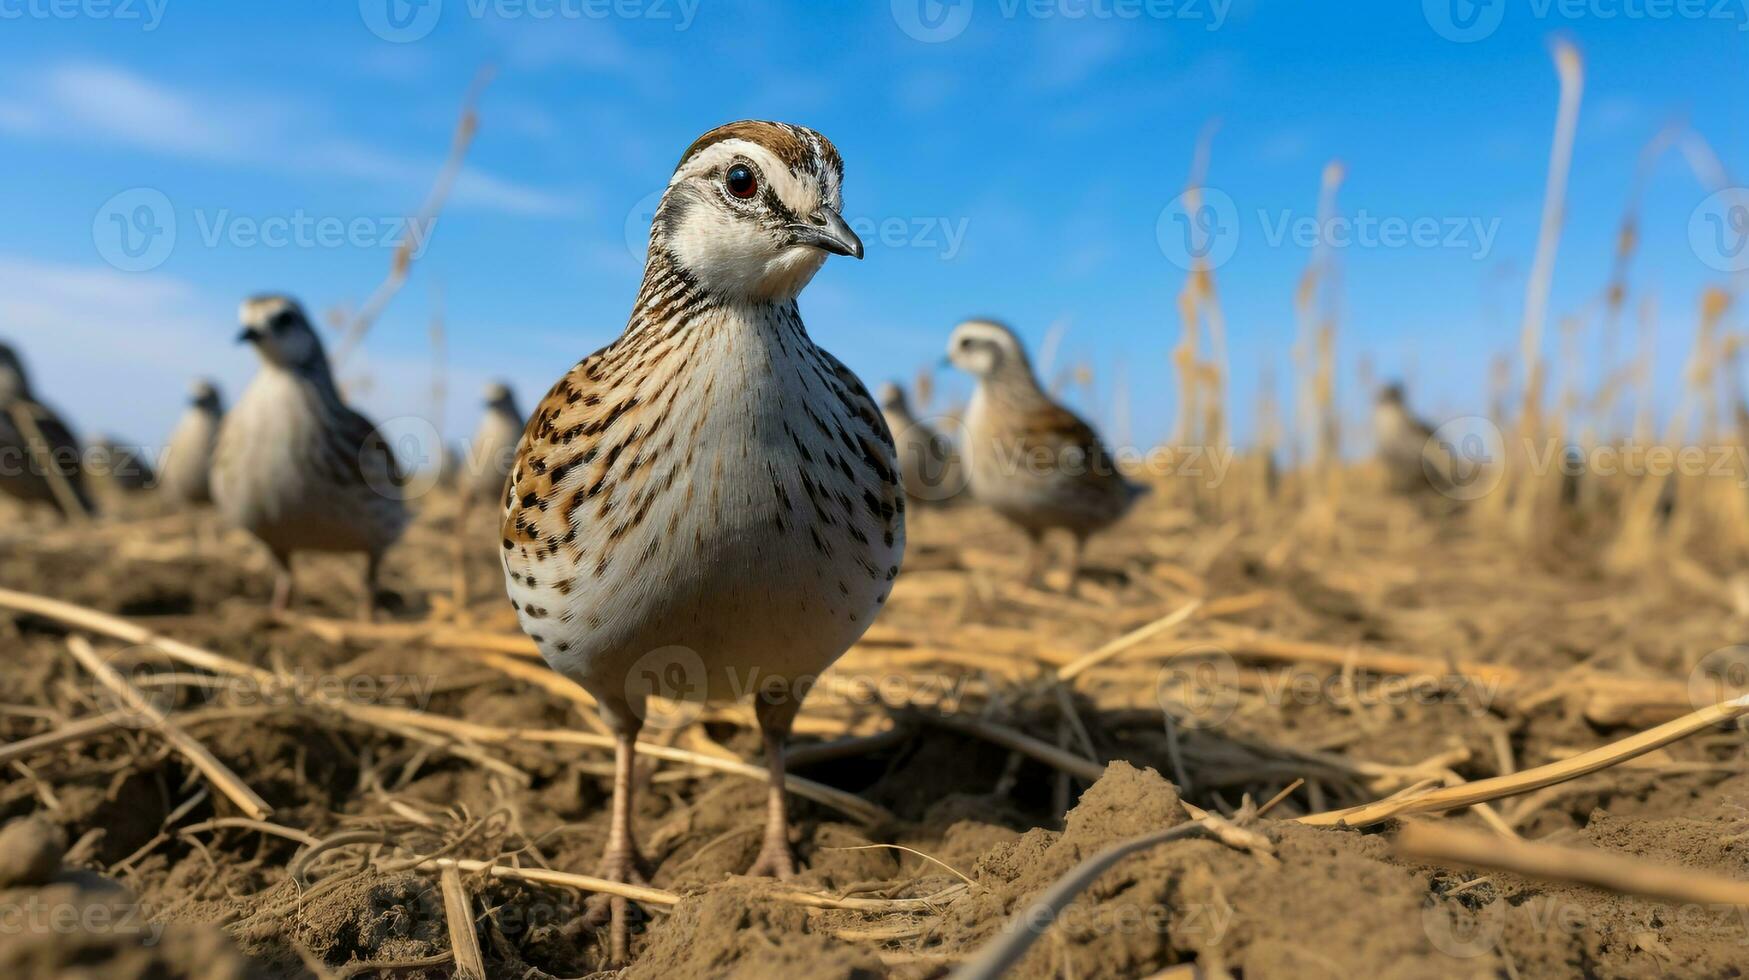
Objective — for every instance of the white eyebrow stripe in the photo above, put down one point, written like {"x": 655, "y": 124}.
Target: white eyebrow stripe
{"x": 797, "y": 194}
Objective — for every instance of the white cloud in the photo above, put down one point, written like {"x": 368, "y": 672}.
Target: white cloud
{"x": 113, "y": 351}
{"x": 139, "y": 112}
{"x": 108, "y": 105}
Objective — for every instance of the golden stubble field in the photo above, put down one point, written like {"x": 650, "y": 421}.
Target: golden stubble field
{"x": 315, "y": 797}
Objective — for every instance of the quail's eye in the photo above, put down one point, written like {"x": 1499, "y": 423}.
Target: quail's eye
{"x": 740, "y": 181}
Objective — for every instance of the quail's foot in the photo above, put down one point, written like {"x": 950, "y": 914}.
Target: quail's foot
{"x": 622, "y": 865}
{"x": 775, "y": 859}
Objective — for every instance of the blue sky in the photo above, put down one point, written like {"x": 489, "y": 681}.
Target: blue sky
{"x": 1015, "y": 162}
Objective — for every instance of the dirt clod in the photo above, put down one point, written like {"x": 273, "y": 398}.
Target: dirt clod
{"x": 30, "y": 852}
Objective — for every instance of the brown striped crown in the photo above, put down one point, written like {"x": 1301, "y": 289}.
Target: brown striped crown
{"x": 797, "y": 146}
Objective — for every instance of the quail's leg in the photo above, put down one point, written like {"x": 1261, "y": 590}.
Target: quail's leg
{"x": 1035, "y": 557}
{"x": 621, "y": 861}
{"x": 367, "y": 610}
{"x": 282, "y": 584}
{"x": 776, "y": 714}
{"x": 459, "y": 574}
{"x": 1075, "y": 555}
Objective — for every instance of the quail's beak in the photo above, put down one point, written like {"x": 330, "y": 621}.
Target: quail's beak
{"x": 826, "y": 230}
{"x": 250, "y": 335}
{"x": 945, "y": 362}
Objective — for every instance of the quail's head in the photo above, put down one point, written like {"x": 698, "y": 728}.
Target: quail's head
{"x": 281, "y": 334}
{"x": 982, "y": 347}
{"x": 204, "y": 395}
{"x": 499, "y": 396}
{"x": 753, "y": 210}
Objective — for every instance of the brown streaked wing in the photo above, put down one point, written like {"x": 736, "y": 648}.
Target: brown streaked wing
{"x": 561, "y": 433}
{"x": 356, "y": 439}
{"x": 1055, "y": 427}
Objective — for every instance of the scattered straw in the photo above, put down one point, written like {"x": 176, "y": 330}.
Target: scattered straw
{"x": 1437, "y": 844}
